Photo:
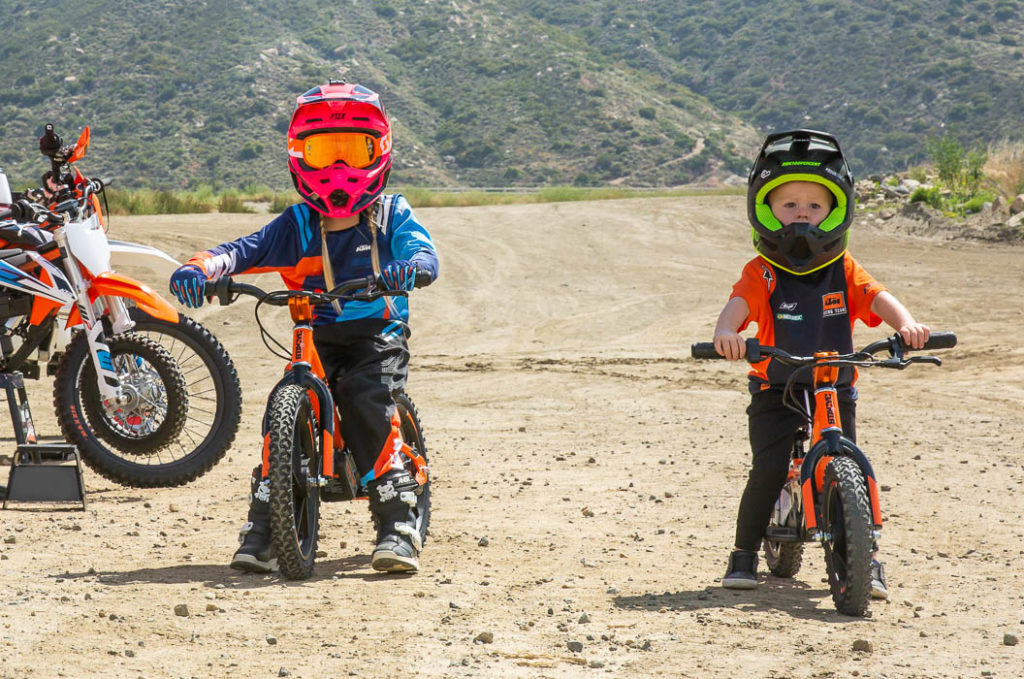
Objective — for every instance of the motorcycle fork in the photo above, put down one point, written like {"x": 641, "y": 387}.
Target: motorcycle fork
{"x": 107, "y": 381}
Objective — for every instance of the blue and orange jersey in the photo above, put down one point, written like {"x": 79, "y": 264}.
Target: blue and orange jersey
{"x": 805, "y": 314}
{"x": 291, "y": 246}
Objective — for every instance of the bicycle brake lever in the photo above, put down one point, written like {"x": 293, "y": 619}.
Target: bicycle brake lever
{"x": 934, "y": 360}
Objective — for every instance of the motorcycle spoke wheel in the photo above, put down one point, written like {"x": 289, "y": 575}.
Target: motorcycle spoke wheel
{"x": 130, "y": 443}
{"x": 212, "y": 385}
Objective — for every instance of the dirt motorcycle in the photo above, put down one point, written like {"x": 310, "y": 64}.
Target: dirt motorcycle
{"x": 148, "y": 396}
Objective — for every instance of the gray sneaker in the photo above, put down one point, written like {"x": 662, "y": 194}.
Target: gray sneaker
{"x": 741, "y": 573}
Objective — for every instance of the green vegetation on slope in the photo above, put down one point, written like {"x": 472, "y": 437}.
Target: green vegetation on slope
{"x": 518, "y": 92}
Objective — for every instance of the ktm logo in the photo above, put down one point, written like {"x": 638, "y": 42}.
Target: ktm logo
{"x": 834, "y": 300}
{"x": 833, "y": 303}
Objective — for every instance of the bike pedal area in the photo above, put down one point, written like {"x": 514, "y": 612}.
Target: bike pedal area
{"x": 48, "y": 472}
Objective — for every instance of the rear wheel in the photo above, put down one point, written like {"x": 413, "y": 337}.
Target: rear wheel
{"x": 295, "y": 469}
{"x": 784, "y": 557}
{"x": 846, "y": 519}
{"x": 412, "y": 434}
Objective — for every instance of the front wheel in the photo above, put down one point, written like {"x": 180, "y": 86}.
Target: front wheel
{"x": 295, "y": 471}
{"x": 846, "y": 520}
{"x": 214, "y": 393}
{"x": 131, "y": 442}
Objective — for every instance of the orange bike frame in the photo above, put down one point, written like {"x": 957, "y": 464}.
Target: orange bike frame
{"x": 307, "y": 370}
{"x": 826, "y": 440}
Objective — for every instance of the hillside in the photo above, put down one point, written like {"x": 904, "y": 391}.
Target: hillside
{"x": 186, "y": 93}
{"x": 520, "y": 92}
{"x": 883, "y": 76}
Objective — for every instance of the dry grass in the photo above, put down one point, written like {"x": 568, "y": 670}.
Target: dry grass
{"x": 1005, "y": 168}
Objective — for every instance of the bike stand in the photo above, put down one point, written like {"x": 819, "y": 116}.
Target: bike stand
{"x": 40, "y": 472}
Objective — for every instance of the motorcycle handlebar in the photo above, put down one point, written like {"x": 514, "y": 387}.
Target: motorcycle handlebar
{"x": 20, "y": 211}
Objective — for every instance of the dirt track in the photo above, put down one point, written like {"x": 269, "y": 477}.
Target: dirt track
{"x": 586, "y": 478}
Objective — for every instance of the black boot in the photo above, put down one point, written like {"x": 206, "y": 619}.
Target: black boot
{"x": 256, "y": 554}
{"x": 393, "y": 505}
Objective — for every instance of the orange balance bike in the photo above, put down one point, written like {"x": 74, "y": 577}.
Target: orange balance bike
{"x": 304, "y": 455}
{"x": 831, "y": 493}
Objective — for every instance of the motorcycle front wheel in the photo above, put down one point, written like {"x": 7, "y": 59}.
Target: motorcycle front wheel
{"x": 132, "y": 443}
{"x": 214, "y": 392}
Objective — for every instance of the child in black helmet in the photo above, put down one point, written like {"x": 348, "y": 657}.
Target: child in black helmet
{"x": 800, "y": 205}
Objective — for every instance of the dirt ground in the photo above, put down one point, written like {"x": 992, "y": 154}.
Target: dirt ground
{"x": 586, "y": 479}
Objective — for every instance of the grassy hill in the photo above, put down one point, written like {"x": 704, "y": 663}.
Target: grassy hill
{"x": 485, "y": 93}
{"x": 883, "y": 76}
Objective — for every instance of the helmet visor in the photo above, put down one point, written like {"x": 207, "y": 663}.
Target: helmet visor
{"x": 355, "y": 149}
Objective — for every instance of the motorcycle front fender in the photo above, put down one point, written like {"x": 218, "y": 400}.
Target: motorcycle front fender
{"x": 117, "y": 285}
{"x": 124, "y": 253}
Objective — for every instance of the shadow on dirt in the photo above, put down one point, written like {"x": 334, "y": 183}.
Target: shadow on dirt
{"x": 791, "y": 597}
{"x": 211, "y": 575}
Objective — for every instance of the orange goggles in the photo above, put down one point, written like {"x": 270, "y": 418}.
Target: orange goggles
{"x": 355, "y": 149}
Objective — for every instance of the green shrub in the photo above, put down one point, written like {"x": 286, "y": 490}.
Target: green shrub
{"x": 282, "y": 201}
{"x": 976, "y": 203}
{"x": 232, "y": 202}
{"x": 930, "y": 196}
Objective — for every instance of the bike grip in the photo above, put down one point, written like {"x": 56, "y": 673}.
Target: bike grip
{"x": 19, "y": 211}
{"x": 704, "y": 350}
{"x": 941, "y": 340}
{"x": 423, "y": 278}
{"x": 707, "y": 350}
{"x": 221, "y": 289}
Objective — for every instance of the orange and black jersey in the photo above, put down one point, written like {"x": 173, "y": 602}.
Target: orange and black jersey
{"x": 805, "y": 314}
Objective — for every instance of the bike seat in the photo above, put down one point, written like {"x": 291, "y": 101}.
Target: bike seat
{"x": 16, "y": 257}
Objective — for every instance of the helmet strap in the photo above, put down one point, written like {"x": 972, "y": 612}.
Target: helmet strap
{"x": 372, "y": 215}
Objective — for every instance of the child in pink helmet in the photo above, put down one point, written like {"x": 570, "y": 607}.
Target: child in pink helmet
{"x": 339, "y": 156}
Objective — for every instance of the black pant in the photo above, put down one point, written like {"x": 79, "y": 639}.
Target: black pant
{"x": 365, "y": 368}
{"x": 772, "y": 428}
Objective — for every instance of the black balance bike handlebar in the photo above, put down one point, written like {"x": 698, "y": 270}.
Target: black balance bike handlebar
{"x": 894, "y": 344}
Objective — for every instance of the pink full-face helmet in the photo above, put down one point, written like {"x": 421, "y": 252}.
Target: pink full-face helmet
{"x": 330, "y": 111}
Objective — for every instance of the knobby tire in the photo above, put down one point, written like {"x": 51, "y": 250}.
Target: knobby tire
{"x": 214, "y": 392}
{"x": 784, "y": 558}
{"x": 295, "y": 467}
{"x": 846, "y": 517}
{"x": 412, "y": 434}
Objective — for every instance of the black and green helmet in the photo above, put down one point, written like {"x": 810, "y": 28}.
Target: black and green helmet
{"x": 809, "y": 156}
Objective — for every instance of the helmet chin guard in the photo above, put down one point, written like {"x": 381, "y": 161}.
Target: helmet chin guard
{"x": 339, "y": 189}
